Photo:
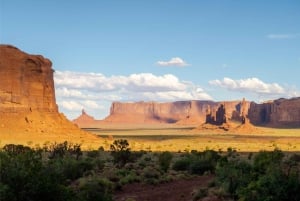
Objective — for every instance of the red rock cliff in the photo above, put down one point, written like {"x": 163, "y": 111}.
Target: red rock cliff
{"x": 277, "y": 113}
{"x": 172, "y": 112}
{"x": 27, "y": 98}
{"x": 26, "y": 82}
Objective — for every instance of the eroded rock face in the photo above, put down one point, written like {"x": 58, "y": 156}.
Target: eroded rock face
{"x": 26, "y": 82}
{"x": 84, "y": 120}
{"x": 27, "y": 98}
{"x": 277, "y": 113}
{"x": 184, "y": 112}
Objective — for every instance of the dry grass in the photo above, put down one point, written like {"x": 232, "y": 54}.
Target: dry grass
{"x": 166, "y": 137}
{"x": 188, "y": 138}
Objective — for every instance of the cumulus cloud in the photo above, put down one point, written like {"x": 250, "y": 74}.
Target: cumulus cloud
{"x": 175, "y": 61}
{"x": 282, "y": 36}
{"x": 71, "y": 105}
{"x": 79, "y": 104}
{"x": 90, "y": 91}
{"x": 253, "y": 85}
{"x": 100, "y": 83}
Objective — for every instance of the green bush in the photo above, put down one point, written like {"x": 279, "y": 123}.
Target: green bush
{"x": 93, "y": 153}
{"x": 60, "y": 150}
{"x": 200, "y": 167}
{"x": 120, "y": 152}
{"x": 29, "y": 175}
{"x": 24, "y": 176}
{"x": 164, "y": 160}
{"x": 268, "y": 178}
{"x": 197, "y": 162}
{"x": 182, "y": 164}
{"x": 267, "y": 159}
{"x": 95, "y": 189}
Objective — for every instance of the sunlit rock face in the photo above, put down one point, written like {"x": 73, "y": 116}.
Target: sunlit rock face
{"x": 180, "y": 112}
{"x": 26, "y": 82}
{"x": 277, "y": 113}
{"x": 27, "y": 96}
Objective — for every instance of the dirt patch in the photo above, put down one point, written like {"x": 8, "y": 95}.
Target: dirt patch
{"x": 178, "y": 190}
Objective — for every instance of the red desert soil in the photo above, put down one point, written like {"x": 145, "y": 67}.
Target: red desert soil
{"x": 178, "y": 190}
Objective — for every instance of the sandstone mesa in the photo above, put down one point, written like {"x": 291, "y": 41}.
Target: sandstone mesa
{"x": 27, "y": 100}
{"x": 281, "y": 113}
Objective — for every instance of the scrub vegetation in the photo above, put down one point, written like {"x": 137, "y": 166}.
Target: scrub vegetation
{"x": 62, "y": 171}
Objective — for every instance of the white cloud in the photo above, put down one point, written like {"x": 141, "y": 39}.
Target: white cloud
{"x": 98, "y": 82}
{"x": 91, "y": 104}
{"x": 93, "y": 92}
{"x": 79, "y": 104}
{"x": 282, "y": 36}
{"x": 256, "y": 86}
{"x": 65, "y": 92}
{"x": 70, "y": 105}
{"x": 175, "y": 61}
{"x": 150, "y": 82}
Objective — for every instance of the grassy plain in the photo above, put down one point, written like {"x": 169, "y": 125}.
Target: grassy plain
{"x": 186, "y": 138}
{"x": 167, "y": 137}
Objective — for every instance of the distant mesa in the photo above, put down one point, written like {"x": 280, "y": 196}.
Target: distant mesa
{"x": 86, "y": 121}
{"x": 278, "y": 113}
{"x": 27, "y": 97}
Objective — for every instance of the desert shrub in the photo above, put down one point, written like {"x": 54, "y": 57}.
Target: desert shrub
{"x": 182, "y": 164}
{"x": 130, "y": 178}
{"x": 197, "y": 162}
{"x": 16, "y": 149}
{"x": 233, "y": 175}
{"x": 164, "y": 160}
{"x": 29, "y": 175}
{"x": 120, "y": 152}
{"x": 295, "y": 158}
{"x": 150, "y": 172}
{"x": 99, "y": 164}
{"x": 211, "y": 156}
{"x": 200, "y": 167}
{"x": 151, "y": 175}
{"x": 93, "y": 153}
{"x": 267, "y": 159}
{"x": 274, "y": 185}
{"x": 60, "y": 150}
{"x": 95, "y": 189}
{"x": 268, "y": 178}
{"x": 24, "y": 176}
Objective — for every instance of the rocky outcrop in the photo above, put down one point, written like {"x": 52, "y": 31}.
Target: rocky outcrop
{"x": 27, "y": 98}
{"x": 86, "y": 121}
{"x": 277, "y": 113}
{"x": 181, "y": 112}
{"x": 26, "y": 82}
{"x": 216, "y": 118}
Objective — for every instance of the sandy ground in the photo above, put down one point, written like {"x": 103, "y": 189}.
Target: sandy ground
{"x": 179, "y": 190}
{"x": 186, "y": 138}
{"x": 167, "y": 137}
{"x": 87, "y": 140}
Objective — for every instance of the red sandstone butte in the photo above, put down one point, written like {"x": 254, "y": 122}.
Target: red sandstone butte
{"x": 27, "y": 96}
{"x": 277, "y": 113}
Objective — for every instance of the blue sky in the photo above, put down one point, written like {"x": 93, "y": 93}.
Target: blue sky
{"x": 160, "y": 50}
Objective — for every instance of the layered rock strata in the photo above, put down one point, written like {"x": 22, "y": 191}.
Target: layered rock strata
{"x": 27, "y": 97}
{"x": 186, "y": 112}
{"x": 277, "y": 113}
